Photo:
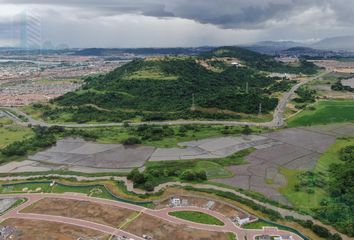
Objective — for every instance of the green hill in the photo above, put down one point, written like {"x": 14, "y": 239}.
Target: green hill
{"x": 162, "y": 88}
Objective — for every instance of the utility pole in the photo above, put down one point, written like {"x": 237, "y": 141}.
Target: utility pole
{"x": 247, "y": 87}
{"x": 193, "y": 104}
{"x": 260, "y": 109}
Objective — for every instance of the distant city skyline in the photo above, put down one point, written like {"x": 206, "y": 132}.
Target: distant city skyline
{"x": 171, "y": 23}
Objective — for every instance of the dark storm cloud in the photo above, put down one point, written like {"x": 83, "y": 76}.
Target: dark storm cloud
{"x": 223, "y": 13}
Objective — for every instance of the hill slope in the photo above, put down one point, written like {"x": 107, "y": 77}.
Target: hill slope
{"x": 162, "y": 88}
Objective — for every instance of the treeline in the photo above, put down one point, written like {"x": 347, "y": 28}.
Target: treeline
{"x": 338, "y": 86}
{"x": 339, "y": 209}
{"x": 83, "y": 114}
{"x": 317, "y": 229}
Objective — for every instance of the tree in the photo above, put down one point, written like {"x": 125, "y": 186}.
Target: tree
{"x": 336, "y": 236}
{"x": 149, "y": 186}
{"x": 188, "y": 175}
{"x": 136, "y": 177}
{"x": 201, "y": 175}
{"x": 321, "y": 231}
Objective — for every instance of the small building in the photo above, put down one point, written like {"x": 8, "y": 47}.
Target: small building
{"x": 236, "y": 64}
{"x": 175, "y": 201}
{"x": 242, "y": 219}
{"x": 286, "y": 237}
{"x": 264, "y": 237}
{"x": 209, "y": 205}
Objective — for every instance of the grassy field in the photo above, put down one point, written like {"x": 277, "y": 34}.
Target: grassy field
{"x": 332, "y": 154}
{"x": 150, "y": 74}
{"x": 213, "y": 170}
{"x": 325, "y": 112}
{"x": 300, "y": 199}
{"x": 10, "y": 133}
{"x": 197, "y": 217}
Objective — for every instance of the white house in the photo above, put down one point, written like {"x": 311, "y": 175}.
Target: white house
{"x": 242, "y": 219}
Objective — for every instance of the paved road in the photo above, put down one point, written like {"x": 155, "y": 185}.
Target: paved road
{"x": 163, "y": 214}
{"x": 278, "y": 115}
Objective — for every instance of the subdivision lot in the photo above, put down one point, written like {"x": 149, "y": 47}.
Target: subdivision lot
{"x": 98, "y": 213}
{"x": 162, "y": 230}
{"x": 39, "y": 230}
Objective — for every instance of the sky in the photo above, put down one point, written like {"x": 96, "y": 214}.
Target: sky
{"x": 172, "y": 23}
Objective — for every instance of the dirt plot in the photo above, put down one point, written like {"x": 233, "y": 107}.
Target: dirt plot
{"x": 42, "y": 230}
{"x": 99, "y": 213}
{"x": 162, "y": 230}
{"x": 219, "y": 207}
{"x": 299, "y": 149}
{"x": 78, "y": 152}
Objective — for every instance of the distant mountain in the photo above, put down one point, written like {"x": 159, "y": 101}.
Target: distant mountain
{"x": 336, "y": 43}
{"x": 342, "y": 43}
{"x": 279, "y": 44}
{"x": 272, "y": 47}
{"x": 141, "y": 51}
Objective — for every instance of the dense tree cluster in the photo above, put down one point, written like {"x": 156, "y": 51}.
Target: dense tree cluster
{"x": 151, "y": 177}
{"x": 339, "y": 209}
{"x": 338, "y": 86}
{"x": 305, "y": 95}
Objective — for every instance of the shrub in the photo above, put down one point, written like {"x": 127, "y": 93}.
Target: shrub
{"x": 131, "y": 141}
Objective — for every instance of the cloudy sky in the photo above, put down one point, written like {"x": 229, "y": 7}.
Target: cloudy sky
{"x": 173, "y": 23}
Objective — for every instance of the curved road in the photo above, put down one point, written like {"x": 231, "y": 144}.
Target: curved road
{"x": 278, "y": 115}
{"x": 163, "y": 214}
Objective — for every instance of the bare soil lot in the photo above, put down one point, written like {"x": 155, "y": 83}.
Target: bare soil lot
{"x": 162, "y": 230}
{"x": 42, "y": 230}
{"x": 78, "y": 152}
{"x": 219, "y": 207}
{"x": 99, "y": 213}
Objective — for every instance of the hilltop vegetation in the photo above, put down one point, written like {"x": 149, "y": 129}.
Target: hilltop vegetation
{"x": 163, "y": 88}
